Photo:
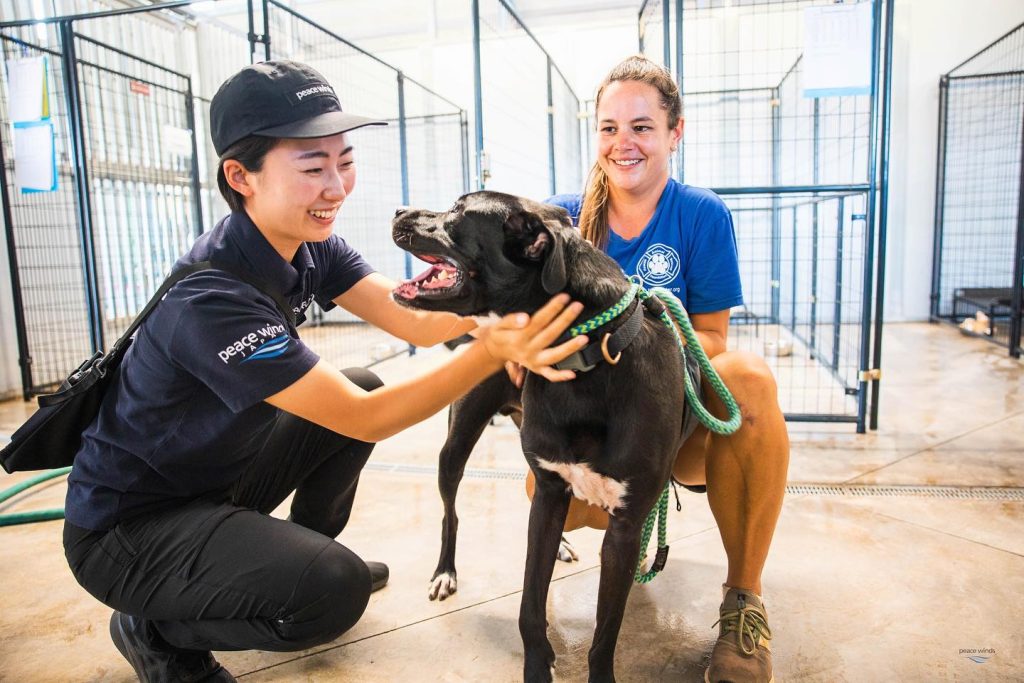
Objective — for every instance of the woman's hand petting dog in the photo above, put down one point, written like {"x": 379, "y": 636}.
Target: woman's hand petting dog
{"x": 527, "y": 340}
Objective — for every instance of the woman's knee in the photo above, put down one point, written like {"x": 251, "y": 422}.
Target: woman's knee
{"x": 746, "y": 374}
{"x": 330, "y": 599}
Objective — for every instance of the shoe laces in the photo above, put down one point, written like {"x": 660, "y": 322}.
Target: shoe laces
{"x": 748, "y": 622}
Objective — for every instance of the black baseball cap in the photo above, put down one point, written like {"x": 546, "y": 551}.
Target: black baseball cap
{"x": 279, "y": 99}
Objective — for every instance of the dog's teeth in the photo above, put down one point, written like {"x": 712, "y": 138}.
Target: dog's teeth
{"x": 443, "y": 275}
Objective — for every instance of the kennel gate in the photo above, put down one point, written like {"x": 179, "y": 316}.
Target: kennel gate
{"x": 978, "y": 263}
{"x": 805, "y": 178}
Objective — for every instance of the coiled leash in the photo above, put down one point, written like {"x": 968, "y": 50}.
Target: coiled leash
{"x": 661, "y": 302}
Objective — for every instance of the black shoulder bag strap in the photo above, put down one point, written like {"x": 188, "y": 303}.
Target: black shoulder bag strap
{"x": 183, "y": 273}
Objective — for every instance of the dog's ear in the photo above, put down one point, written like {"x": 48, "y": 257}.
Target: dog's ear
{"x": 537, "y": 239}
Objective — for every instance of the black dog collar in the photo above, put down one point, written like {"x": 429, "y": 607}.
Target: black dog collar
{"x": 609, "y": 347}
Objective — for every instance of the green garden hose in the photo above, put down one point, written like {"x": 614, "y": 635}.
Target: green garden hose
{"x": 13, "y": 518}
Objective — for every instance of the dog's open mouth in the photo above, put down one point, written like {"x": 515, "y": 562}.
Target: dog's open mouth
{"x": 442, "y": 279}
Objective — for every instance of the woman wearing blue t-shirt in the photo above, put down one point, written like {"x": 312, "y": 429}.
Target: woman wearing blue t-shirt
{"x": 681, "y": 238}
{"x": 219, "y": 412}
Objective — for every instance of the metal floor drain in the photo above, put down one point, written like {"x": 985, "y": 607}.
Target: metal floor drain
{"x": 950, "y": 492}
{"x": 848, "y": 490}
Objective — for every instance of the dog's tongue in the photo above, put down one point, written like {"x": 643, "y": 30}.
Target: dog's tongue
{"x": 406, "y": 290}
{"x": 440, "y": 275}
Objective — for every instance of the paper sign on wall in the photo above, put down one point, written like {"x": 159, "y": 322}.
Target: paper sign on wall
{"x": 35, "y": 161}
{"x": 176, "y": 141}
{"x": 29, "y": 99}
{"x": 837, "y": 50}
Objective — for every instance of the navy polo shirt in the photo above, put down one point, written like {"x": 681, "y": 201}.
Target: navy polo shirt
{"x": 186, "y": 413}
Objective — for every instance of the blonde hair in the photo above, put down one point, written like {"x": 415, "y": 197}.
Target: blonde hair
{"x": 593, "y": 220}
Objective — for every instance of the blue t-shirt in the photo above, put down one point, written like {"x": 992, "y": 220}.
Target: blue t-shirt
{"x": 185, "y": 413}
{"x": 688, "y": 247}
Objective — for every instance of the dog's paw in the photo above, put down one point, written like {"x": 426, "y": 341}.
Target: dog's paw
{"x": 539, "y": 667}
{"x": 443, "y": 585}
{"x": 566, "y": 553}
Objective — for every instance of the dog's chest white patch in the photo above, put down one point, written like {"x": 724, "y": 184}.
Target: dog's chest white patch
{"x": 588, "y": 485}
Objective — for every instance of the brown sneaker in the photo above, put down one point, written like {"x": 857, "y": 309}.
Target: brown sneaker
{"x": 742, "y": 653}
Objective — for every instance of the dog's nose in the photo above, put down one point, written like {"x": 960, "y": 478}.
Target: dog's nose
{"x": 400, "y": 210}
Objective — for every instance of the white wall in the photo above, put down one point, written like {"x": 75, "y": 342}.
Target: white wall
{"x": 930, "y": 38}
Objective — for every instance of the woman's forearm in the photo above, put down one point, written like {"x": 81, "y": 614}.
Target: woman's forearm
{"x": 391, "y": 409}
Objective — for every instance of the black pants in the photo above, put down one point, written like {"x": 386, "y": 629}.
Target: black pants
{"x": 220, "y": 574}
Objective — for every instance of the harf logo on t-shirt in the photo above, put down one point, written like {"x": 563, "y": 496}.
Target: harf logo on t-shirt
{"x": 659, "y": 265}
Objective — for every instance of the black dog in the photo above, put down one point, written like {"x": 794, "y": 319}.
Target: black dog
{"x": 608, "y": 437}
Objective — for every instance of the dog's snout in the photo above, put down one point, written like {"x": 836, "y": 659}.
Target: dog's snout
{"x": 400, "y": 210}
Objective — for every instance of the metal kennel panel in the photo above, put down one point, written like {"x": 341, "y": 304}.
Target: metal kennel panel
{"x": 220, "y": 50}
{"x": 804, "y": 175}
{"x": 420, "y": 157}
{"x": 978, "y": 266}
{"x": 526, "y": 142}
{"x": 654, "y": 26}
{"x": 138, "y": 129}
{"x": 748, "y": 122}
{"x": 135, "y": 166}
{"x": 44, "y": 241}
{"x": 568, "y": 130}
{"x": 802, "y": 265}
{"x": 126, "y": 161}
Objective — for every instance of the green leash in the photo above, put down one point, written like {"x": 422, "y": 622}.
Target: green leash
{"x": 674, "y": 307}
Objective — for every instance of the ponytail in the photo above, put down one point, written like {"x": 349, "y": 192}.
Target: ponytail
{"x": 593, "y": 220}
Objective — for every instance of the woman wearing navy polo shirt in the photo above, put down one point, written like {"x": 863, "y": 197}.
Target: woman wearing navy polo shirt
{"x": 219, "y": 411}
{"x": 681, "y": 238}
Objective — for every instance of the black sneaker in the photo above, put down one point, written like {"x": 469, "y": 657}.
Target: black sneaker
{"x": 378, "y": 574}
{"x": 155, "y": 661}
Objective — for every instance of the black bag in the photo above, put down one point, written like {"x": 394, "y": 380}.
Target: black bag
{"x": 52, "y": 436}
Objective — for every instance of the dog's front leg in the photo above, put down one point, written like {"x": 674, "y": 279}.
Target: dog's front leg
{"x": 619, "y": 553}
{"x": 467, "y": 419}
{"x": 547, "y": 517}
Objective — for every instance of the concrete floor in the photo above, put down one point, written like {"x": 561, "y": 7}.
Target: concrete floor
{"x": 872, "y": 587}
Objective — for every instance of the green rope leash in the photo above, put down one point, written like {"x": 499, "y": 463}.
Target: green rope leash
{"x": 717, "y": 426}
{"x": 661, "y": 510}
{"x": 674, "y": 307}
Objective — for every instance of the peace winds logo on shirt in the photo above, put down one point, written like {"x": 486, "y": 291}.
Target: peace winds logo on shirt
{"x": 659, "y": 265}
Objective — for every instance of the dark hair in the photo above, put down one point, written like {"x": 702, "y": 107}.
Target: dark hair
{"x": 593, "y": 220}
{"x": 249, "y": 152}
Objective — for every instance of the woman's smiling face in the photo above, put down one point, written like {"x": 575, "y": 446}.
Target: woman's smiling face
{"x": 297, "y": 193}
{"x": 634, "y": 138}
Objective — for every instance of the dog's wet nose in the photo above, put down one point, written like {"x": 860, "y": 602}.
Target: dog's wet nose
{"x": 400, "y": 210}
